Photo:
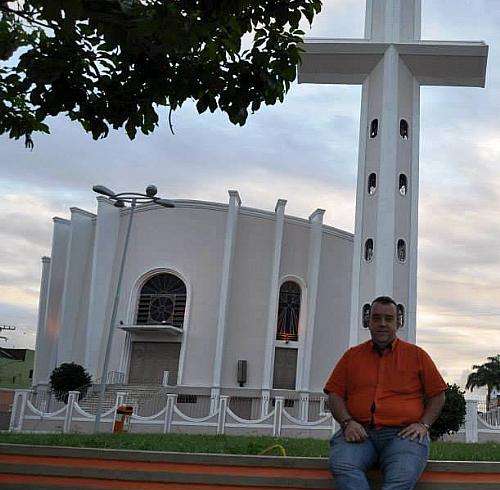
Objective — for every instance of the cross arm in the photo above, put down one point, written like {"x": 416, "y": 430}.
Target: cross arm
{"x": 431, "y": 62}
{"x": 339, "y": 61}
{"x": 447, "y": 63}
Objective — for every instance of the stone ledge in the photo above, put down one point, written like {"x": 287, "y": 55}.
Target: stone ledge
{"x": 224, "y": 459}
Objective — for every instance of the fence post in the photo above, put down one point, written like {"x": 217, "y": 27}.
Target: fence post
{"x": 278, "y": 415}
{"x": 471, "y": 434}
{"x": 72, "y": 397}
{"x": 169, "y": 413}
{"x": 221, "y": 419}
{"x": 304, "y": 407}
{"x": 264, "y": 403}
{"x": 164, "y": 381}
{"x": 18, "y": 406}
{"x": 214, "y": 400}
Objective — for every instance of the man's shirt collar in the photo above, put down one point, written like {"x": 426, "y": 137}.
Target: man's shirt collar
{"x": 390, "y": 347}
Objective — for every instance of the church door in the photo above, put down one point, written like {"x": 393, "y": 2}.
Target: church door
{"x": 149, "y": 359}
{"x": 285, "y": 368}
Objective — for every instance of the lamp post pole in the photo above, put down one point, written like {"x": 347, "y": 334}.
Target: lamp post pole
{"x": 120, "y": 200}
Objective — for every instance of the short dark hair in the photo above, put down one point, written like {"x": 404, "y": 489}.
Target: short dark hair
{"x": 385, "y": 300}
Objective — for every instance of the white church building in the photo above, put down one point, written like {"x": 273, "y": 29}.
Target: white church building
{"x": 208, "y": 285}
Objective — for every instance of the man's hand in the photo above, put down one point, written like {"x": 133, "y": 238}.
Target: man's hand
{"x": 413, "y": 431}
{"x": 355, "y": 432}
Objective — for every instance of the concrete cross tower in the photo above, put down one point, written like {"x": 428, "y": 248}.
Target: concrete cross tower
{"x": 391, "y": 63}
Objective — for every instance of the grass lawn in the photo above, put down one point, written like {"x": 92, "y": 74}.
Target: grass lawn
{"x": 444, "y": 451}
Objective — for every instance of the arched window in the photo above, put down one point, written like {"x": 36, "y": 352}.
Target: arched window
{"x": 366, "y": 314}
{"x": 404, "y": 129}
{"x": 401, "y": 315}
{"x": 374, "y": 128}
{"x": 401, "y": 250}
{"x": 288, "y": 312}
{"x": 372, "y": 183}
{"x": 369, "y": 250}
{"x": 162, "y": 301}
{"x": 403, "y": 184}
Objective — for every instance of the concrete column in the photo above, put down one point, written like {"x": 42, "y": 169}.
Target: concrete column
{"x": 360, "y": 205}
{"x": 411, "y": 308}
{"x": 315, "y": 237}
{"x": 471, "y": 434}
{"x": 386, "y": 222}
{"x": 229, "y": 247}
{"x": 104, "y": 254}
{"x": 48, "y": 355}
{"x": 272, "y": 311}
{"x": 40, "y": 346}
{"x": 73, "y": 336}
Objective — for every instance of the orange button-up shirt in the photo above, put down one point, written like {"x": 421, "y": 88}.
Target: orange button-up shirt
{"x": 385, "y": 388}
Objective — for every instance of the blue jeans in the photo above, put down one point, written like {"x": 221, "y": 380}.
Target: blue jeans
{"x": 401, "y": 461}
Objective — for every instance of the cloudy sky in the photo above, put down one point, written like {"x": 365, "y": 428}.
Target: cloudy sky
{"x": 305, "y": 151}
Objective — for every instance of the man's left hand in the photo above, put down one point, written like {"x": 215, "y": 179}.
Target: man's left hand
{"x": 413, "y": 431}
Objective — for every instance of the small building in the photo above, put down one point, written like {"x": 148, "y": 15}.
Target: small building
{"x": 16, "y": 368}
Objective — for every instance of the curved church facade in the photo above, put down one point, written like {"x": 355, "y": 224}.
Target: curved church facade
{"x": 207, "y": 288}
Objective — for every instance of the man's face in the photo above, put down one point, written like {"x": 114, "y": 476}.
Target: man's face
{"x": 383, "y": 323}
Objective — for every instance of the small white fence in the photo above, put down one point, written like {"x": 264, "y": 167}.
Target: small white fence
{"x": 220, "y": 419}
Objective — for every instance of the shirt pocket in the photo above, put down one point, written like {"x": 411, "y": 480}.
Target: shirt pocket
{"x": 404, "y": 381}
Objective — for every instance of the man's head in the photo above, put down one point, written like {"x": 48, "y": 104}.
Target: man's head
{"x": 383, "y": 322}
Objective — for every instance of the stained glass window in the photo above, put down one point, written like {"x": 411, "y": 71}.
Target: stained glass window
{"x": 162, "y": 301}
{"x": 288, "y": 312}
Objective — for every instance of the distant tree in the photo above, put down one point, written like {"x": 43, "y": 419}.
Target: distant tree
{"x": 487, "y": 374}
{"x": 69, "y": 377}
{"x": 453, "y": 414}
{"x": 112, "y": 63}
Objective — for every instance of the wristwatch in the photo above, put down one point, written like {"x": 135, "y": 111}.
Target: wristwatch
{"x": 427, "y": 426}
{"x": 344, "y": 422}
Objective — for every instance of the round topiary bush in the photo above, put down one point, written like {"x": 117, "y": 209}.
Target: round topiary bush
{"x": 69, "y": 377}
{"x": 453, "y": 414}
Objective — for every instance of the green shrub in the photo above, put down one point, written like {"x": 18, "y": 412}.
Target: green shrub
{"x": 69, "y": 377}
{"x": 453, "y": 414}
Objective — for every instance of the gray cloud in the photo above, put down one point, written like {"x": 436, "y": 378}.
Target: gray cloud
{"x": 305, "y": 151}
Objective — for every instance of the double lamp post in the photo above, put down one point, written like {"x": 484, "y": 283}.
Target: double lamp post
{"x": 120, "y": 201}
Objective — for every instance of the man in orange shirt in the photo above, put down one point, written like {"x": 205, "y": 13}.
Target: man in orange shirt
{"x": 385, "y": 394}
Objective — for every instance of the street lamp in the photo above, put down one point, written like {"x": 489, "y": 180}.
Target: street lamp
{"x": 121, "y": 199}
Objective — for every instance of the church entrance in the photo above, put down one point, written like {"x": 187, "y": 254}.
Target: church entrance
{"x": 148, "y": 360}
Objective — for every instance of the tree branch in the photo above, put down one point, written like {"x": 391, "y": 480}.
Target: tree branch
{"x": 4, "y": 8}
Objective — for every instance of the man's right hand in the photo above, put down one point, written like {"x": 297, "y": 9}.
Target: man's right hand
{"x": 355, "y": 432}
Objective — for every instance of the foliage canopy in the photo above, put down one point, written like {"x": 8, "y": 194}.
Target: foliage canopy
{"x": 69, "y": 377}
{"x": 112, "y": 63}
{"x": 453, "y": 414}
{"x": 487, "y": 374}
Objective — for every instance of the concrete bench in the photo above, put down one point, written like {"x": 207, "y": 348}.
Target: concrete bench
{"x": 48, "y": 467}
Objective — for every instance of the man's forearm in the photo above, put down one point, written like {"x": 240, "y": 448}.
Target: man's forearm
{"x": 338, "y": 407}
{"x": 433, "y": 408}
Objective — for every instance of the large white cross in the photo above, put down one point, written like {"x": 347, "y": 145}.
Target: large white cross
{"x": 391, "y": 63}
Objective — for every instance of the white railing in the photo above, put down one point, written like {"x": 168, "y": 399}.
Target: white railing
{"x": 222, "y": 420}
{"x": 73, "y": 418}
